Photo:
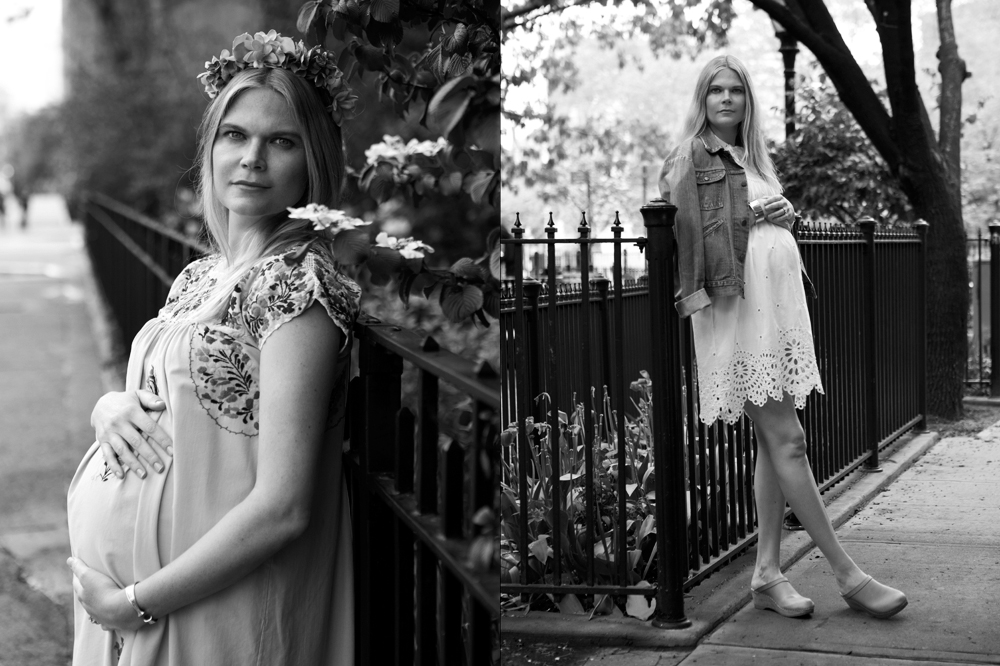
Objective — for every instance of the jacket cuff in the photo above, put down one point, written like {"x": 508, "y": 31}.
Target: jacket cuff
{"x": 696, "y": 301}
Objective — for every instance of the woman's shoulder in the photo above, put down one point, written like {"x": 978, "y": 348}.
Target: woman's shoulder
{"x": 282, "y": 285}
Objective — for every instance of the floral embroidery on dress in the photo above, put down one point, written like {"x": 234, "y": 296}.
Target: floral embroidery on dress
{"x": 225, "y": 379}
{"x": 188, "y": 290}
{"x": 286, "y": 285}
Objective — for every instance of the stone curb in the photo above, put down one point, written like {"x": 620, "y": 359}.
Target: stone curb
{"x": 727, "y": 591}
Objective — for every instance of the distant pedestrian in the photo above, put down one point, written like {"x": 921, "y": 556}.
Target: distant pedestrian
{"x": 22, "y": 195}
{"x": 3, "y": 210}
{"x": 237, "y": 550}
{"x": 742, "y": 284}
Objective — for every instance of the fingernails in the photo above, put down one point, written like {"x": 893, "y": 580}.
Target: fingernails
{"x": 120, "y": 475}
{"x": 141, "y": 472}
{"x": 158, "y": 466}
{"x": 170, "y": 450}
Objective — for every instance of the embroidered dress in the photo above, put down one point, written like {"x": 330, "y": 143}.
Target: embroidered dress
{"x": 759, "y": 346}
{"x": 297, "y": 607}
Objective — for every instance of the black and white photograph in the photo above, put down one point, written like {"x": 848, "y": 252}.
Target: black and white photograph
{"x": 746, "y": 312}
{"x": 250, "y": 286}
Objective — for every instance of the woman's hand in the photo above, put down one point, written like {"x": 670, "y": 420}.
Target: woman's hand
{"x": 103, "y": 600}
{"x": 125, "y": 429}
{"x": 779, "y": 210}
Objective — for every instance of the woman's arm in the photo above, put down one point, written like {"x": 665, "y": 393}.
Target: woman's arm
{"x": 296, "y": 381}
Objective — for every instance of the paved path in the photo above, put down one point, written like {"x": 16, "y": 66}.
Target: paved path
{"x": 934, "y": 533}
{"x": 50, "y": 377}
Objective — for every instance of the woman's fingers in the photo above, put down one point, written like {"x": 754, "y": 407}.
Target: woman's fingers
{"x": 125, "y": 453}
{"x": 149, "y": 423}
{"x": 111, "y": 458}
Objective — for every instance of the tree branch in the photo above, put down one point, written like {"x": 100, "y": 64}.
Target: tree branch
{"x": 509, "y": 16}
{"x": 811, "y": 24}
{"x": 953, "y": 73}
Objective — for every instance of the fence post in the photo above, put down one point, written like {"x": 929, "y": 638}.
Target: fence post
{"x": 867, "y": 225}
{"x": 532, "y": 340}
{"x": 922, "y": 227}
{"x": 994, "y": 302}
{"x": 603, "y": 285}
{"x": 668, "y": 428}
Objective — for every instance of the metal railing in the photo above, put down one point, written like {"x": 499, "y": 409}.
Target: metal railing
{"x": 984, "y": 314}
{"x": 426, "y": 579}
{"x": 869, "y": 332}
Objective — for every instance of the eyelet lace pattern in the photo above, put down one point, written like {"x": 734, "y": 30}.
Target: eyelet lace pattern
{"x": 790, "y": 368}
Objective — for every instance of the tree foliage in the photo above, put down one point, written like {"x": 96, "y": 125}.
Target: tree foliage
{"x": 830, "y": 169}
{"x": 455, "y": 79}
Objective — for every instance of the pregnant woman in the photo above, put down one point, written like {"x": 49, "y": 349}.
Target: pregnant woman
{"x": 237, "y": 549}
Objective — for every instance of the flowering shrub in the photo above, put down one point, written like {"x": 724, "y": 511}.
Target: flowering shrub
{"x": 469, "y": 288}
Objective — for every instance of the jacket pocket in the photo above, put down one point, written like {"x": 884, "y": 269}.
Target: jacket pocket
{"x": 718, "y": 250}
{"x": 711, "y": 188}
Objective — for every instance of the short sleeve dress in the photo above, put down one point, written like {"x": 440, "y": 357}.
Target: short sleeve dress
{"x": 297, "y": 607}
{"x": 759, "y": 346}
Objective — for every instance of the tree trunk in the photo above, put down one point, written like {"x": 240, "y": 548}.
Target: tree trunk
{"x": 947, "y": 286}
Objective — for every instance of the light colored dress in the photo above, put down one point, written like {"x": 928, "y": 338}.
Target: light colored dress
{"x": 297, "y": 607}
{"x": 759, "y": 346}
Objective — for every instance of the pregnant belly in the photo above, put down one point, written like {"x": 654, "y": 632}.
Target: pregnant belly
{"x": 102, "y": 517}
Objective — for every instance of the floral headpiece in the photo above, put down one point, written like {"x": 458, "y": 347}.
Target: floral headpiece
{"x": 315, "y": 65}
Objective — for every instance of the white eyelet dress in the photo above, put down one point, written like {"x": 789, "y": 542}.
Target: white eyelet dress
{"x": 759, "y": 346}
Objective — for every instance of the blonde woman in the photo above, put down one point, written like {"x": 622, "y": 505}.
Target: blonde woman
{"x": 237, "y": 549}
{"x": 742, "y": 284}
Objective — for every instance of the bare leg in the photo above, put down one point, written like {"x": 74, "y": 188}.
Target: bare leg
{"x": 780, "y": 433}
{"x": 770, "y": 503}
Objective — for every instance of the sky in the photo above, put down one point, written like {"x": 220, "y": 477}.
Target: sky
{"x": 31, "y": 32}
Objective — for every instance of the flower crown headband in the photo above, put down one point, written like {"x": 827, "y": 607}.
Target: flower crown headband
{"x": 272, "y": 50}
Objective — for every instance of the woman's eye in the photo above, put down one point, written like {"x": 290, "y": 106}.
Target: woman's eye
{"x": 285, "y": 143}
{"x": 232, "y": 134}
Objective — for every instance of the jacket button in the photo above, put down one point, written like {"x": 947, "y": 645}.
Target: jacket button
{"x": 742, "y": 256}
{"x": 743, "y": 222}
{"x": 743, "y": 183}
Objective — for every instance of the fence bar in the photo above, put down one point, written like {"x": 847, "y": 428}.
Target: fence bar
{"x": 589, "y": 436}
{"x": 994, "y": 309}
{"x": 618, "y": 396}
{"x": 668, "y": 434}
{"x": 867, "y": 225}
{"x": 553, "y": 391}
{"x": 523, "y": 401}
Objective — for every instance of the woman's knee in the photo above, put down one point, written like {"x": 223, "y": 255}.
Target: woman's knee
{"x": 788, "y": 441}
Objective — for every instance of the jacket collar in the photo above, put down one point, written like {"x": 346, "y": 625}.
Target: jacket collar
{"x": 712, "y": 143}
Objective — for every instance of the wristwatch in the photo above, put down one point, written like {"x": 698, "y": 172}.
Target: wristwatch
{"x": 758, "y": 210}
{"x": 143, "y": 615}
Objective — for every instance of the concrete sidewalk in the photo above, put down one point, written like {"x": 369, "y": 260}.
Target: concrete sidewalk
{"x": 50, "y": 377}
{"x": 934, "y": 532}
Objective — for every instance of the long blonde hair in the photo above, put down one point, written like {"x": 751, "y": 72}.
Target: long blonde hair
{"x": 750, "y": 134}
{"x": 324, "y": 165}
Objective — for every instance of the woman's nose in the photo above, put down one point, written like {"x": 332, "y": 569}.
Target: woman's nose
{"x": 253, "y": 157}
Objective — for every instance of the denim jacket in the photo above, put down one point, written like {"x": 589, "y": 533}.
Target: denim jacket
{"x": 713, "y": 220}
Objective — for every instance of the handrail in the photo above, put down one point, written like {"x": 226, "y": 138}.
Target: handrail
{"x": 145, "y": 221}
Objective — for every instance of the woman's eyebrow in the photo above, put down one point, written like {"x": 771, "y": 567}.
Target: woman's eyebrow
{"x": 281, "y": 131}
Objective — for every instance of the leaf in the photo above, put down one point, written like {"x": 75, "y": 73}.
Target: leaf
{"x": 648, "y": 527}
{"x": 448, "y": 105}
{"x": 351, "y": 247}
{"x": 476, "y": 184}
{"x": 385, "y": 11}
{"x": 570, "y": 603}
{"x": 307, "y": 14}
{"x": 383, "y": 263}
{"x": 458, "y": 303}
{"x": 540, "y": 548}
{"x": 637, "y": 606}
{"x": 467, "y": 269}
{"x": 380, "y": 183}
{"x": 495, "y": 262}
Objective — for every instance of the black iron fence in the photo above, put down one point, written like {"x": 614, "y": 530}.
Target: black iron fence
{"x": 595, "y": 474}
{"x": 426, "y": 580}
{"x": 984, "y": 314}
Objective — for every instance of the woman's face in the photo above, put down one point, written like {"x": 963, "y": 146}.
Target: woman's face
{"x": 258, "y": 158}
{"x": 726, "y": 104}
